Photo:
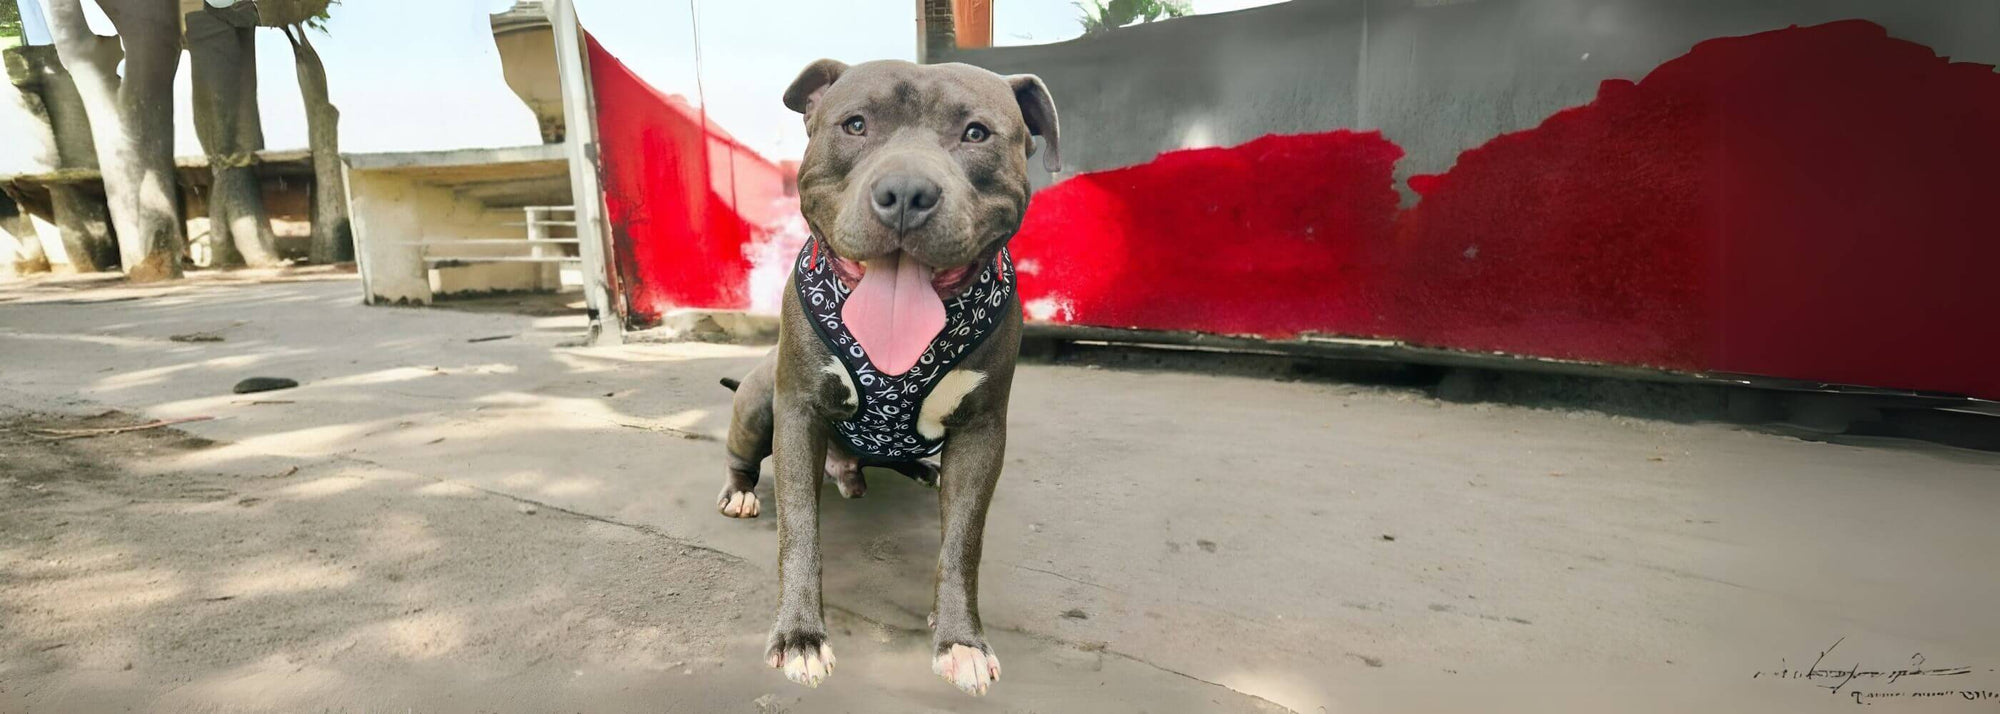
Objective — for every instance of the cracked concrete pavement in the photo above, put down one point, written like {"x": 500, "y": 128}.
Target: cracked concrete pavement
{"x": 1162, "y": 540}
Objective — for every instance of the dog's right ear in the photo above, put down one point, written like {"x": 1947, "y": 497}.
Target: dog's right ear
{"x": 806, "y": 90}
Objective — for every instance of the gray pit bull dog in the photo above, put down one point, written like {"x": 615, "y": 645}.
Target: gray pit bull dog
{"x": 914, "y": 179}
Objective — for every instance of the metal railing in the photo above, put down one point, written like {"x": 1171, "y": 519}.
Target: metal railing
{"x": 537, "y": 219}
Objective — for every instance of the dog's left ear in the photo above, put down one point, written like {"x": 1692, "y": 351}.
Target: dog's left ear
{"x": 1038, "y": 109}
{"x": 812, "y": 82}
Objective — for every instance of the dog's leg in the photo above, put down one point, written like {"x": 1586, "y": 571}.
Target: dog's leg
{"x": 845, "y": 470}
{"x": 798, "y": 641}
{"x": 972, "y": 461}
{"x": 749, "y": 440}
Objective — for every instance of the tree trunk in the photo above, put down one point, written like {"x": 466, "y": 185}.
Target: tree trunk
{"x": 28, "y": 255}
{"x": 222, "y": 46}
{"x": 332, "y": 239}
{"x": 51, "y": 84}
{"x": 85, "y": 226}
{"x": 151, "y": 32}
{"x": 132, "y": 124}
{"x": 92, "y": 61}
{"x": 79, "y": 214}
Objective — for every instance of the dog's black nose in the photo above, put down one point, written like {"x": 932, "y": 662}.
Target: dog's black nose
{"x": 905, "y": 201}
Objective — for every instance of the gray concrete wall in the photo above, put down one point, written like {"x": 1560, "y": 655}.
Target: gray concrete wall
{"x": 1435, "y": 76}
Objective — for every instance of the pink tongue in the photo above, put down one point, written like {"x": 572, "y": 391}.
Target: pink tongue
{"x": 894, "y": 313}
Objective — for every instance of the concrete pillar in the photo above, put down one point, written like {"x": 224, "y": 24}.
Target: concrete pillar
{"x": 600, "y": 289}
{"x": 936, "y": 35}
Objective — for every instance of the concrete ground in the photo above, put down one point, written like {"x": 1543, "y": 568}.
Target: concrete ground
{"x": 438, "y": 521}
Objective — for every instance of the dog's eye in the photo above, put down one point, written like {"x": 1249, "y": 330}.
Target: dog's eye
{"x": 855, "y": 126}
{"x": 975, "y": 133}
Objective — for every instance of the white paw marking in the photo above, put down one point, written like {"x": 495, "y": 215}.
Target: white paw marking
{"x": 741, "y": 504}
{"x": 944, "y": 400}
{"x": 833, "y": 367}
{"x": 808, "y": 668}
{"x": 967, "y": 668}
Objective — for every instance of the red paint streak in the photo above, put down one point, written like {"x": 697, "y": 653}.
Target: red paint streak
{"x": 1268, "y": 238}
{"x": 1810, "y": 203}
{"x": 1590, "y": 237}
{"x": 684, "y": 200}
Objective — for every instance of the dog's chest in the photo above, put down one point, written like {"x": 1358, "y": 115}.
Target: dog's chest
{"x": 946, "y": 398}
{"x": 902, "y": 416}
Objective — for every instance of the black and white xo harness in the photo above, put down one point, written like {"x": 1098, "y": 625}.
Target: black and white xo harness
{"x": 884, "y": 425}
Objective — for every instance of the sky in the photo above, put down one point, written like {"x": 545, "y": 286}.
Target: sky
{"x": 422, "y": 75}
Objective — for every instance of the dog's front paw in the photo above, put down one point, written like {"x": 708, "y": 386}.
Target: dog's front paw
{"x": 972, "y": 668}
{"x": 803, "y": 654}
{"x": 738, "y": 504}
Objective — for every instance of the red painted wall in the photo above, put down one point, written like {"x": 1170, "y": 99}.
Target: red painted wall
{"x": 687, "y": 203}
{"x": 1810, "y": 203}
{"x": 1276, "y": 237}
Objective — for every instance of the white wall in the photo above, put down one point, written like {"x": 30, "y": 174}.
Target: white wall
{"x": 391, "y": 209}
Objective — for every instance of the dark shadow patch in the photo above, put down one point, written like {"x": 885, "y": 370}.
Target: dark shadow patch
{"x": 33, "y": 459}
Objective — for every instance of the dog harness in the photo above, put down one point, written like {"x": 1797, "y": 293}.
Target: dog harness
{"x": 884, "y": 424}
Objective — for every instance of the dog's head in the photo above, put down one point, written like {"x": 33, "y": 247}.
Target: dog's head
{"x": 928, "y": 162}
